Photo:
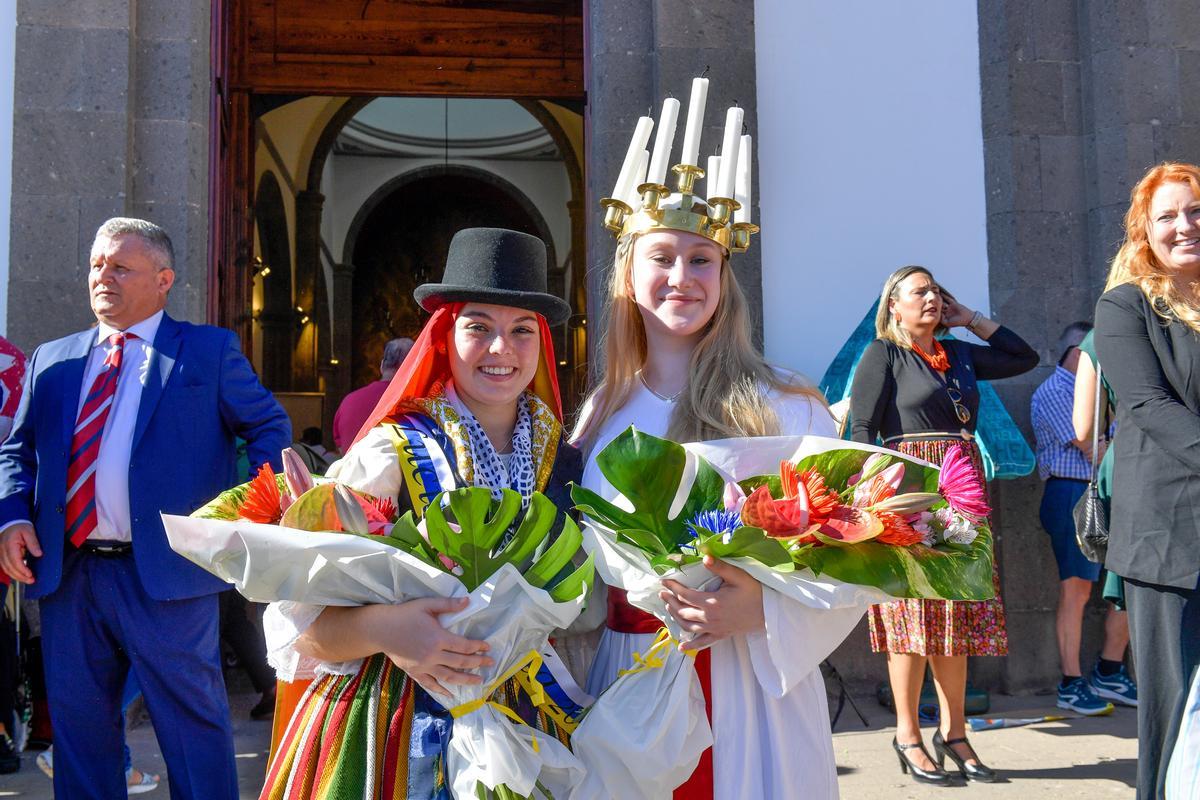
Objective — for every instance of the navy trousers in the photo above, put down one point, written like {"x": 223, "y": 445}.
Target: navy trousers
{"x": 96, "y": 627}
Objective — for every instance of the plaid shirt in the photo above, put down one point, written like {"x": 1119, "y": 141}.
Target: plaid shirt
{"x": 1051, "y": 410}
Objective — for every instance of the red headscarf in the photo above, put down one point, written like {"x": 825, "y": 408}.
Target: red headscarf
{"x": 428, "y": 365}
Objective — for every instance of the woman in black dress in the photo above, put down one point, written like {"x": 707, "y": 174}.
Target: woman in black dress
{"x": 1147, "y": 329}
{"x": 919, "y": 395}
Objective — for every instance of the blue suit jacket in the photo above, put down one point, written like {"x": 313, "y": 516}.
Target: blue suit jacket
{"x": 183, "y": 451}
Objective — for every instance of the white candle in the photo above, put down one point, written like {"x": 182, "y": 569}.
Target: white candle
{"x": 710, "y": 176}
{"x": 629, "y": 167}
{"x": 663, "y": 140}
{"x": 695, "y": 122}
{"x": 741, "y": 189}
{"x": 634, "y": 199}
{"x": 729, "y": 152}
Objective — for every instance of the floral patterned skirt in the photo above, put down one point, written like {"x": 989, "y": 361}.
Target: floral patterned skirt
{"x": 940, "y": 627}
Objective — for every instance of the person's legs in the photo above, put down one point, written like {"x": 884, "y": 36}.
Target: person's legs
{"x": 1073, "y": 595}
{"x": 906, "y": 673}
{"x": 950, "y": 679}
{"x": 1116, "y": 635}
{"x": 1164, "y": 626}
{"x": 85, "y": 667}
{"x": 173, "y": 646}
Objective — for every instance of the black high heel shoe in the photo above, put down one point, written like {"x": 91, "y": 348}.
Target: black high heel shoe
{"x": 934, "y": 777}
{"x": 978, "y": 771}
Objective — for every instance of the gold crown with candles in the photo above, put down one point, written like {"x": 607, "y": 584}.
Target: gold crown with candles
{"x": 642, "y": 201}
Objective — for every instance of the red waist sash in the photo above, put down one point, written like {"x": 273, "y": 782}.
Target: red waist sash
{"x": 624, "y": 618}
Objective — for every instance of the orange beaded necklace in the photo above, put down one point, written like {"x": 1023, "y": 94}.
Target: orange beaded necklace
{"x": 938, "y": 361}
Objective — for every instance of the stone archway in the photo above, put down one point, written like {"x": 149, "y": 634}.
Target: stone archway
{"x": 401, "y": 242}
{"x": 426, "y": 173}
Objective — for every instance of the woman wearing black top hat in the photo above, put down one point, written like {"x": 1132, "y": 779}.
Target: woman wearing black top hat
{"x": 476, "y": 402}
{"x": 919, "y": 395}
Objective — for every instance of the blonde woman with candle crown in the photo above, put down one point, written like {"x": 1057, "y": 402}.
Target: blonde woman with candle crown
{"x": 680, "y": 364}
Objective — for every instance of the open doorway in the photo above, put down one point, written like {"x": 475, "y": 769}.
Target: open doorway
{"x": 357, "y": 160}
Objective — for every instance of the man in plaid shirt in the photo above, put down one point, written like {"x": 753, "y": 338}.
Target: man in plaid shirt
{"x": 1065, "y": 464}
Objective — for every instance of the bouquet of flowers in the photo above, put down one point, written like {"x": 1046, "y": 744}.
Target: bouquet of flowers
{"x": 860, "y": 514}
{"x": 830, "y": 525}
{"x": 335, "y": 546}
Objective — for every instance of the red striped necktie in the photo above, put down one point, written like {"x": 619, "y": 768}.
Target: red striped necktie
{"x": 85, "y": 444}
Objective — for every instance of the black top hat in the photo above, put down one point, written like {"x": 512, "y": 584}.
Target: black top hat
{"x": 498, "y": 266}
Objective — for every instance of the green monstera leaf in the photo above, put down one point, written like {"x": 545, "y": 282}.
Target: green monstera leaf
{"x": 475, "y": 547}
{"x": 648, "y": 471}
{"x": 945, "y": 572}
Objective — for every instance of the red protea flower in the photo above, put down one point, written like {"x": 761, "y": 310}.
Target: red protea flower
{"x": 821, "y": 499}
{"x": 386, "y": 508}
{"x": 262, "y": 503}
{"x": 780, "y": 519}
{"x": 897, "y": 530}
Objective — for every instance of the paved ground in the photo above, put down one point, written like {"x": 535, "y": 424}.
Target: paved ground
{"x": 1079, "y": 758}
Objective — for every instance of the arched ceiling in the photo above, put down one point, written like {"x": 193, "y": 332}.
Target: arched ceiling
{"x": 415, "y": 127}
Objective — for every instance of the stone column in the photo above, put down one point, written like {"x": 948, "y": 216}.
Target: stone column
{"x": 1079, "y": 99}
{"x": 338, "y": 385}
{"x": 110, "y": 118}
{"x": 278, "y": 329}
{"x": 641, "y": 52}
{"x": 309, "y": 205}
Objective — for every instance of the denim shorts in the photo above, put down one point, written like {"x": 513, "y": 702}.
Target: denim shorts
{"x": 1058, "y": 501}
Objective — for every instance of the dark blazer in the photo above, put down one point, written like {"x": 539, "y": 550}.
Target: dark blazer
{"x": 1154, "y": 369}
{"x": 183, "y": 451}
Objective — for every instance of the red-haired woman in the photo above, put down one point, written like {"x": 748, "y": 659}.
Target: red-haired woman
{"x": 1148, "y": 339}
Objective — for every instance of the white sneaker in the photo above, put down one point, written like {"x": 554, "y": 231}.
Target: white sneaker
{"x": 45, "y": 761}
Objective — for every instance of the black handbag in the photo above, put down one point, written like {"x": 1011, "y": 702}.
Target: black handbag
{"x": 1091, "y": 518}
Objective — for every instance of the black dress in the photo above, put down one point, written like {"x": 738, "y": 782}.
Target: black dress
{"x": 895, "y": 393}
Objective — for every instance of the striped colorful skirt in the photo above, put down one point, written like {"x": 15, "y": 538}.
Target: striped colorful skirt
{"x": 377, "y": 735}
{"x": 941, "y": 627}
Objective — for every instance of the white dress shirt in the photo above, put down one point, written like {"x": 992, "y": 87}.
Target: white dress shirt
{"x": 112, "y": 463}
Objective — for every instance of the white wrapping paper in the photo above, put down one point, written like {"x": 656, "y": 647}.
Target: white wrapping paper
{"x": 644, "y": 735}
{"x": 268, "y": 563}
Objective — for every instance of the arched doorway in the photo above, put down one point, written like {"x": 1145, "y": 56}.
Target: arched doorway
{"x": 528, "y": 55}
{"x": 400, "y": 238}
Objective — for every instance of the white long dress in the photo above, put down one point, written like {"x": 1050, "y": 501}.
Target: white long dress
{"x": 770, "y": 718}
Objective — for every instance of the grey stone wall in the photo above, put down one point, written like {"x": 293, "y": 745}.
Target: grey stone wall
{"x": 641, "y": 52}
{"x": 110, "y": 118}
{"x": 1080, "y": 98}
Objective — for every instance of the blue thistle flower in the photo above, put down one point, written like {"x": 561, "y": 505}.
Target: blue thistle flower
{"x": 718, "y": 521}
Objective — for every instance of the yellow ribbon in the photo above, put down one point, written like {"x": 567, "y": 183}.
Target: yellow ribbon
{"x": 525, "y": 673}
{"x": 654, "y": 656}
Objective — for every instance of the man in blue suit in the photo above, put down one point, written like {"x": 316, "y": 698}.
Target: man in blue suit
{"x": 119, "y": 423}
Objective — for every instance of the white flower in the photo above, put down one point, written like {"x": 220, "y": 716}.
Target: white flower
{"x": 920, "y": 523}
{"x": 960, "y": 530}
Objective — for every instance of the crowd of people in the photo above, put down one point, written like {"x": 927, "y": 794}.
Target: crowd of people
{"x": 142, "y": 414}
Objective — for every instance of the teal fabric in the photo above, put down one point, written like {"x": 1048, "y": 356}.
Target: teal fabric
{"x": 1005, "y": 452}
{"x": 1114, "y": 587}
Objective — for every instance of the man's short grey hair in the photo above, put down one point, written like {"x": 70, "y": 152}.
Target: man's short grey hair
{"x": 394, "y": 353}
{"x": 1072, "y": 336}
{"x": 155, "y": 237}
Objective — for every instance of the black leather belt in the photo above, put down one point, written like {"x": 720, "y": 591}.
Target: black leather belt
{"x": 109, "y": 549}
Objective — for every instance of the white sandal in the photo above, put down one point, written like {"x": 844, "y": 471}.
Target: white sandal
{"x": 148, "y": 783}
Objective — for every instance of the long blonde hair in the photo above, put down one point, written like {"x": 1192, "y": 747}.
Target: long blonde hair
{"x": 887, "y": 326}
{"x": 1135, "y": 261}
{"x": 727, "y": 393}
